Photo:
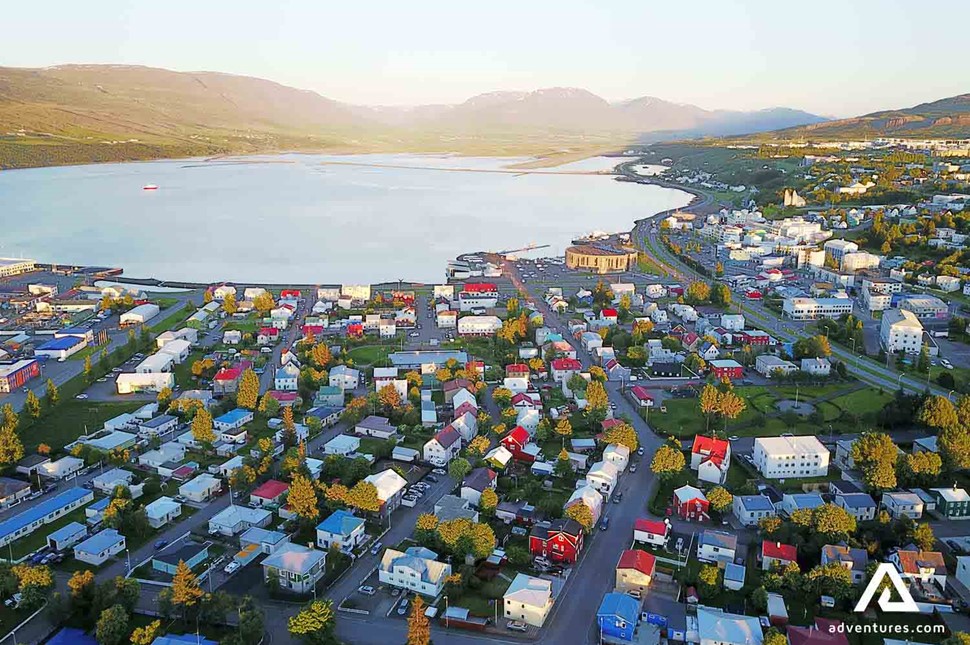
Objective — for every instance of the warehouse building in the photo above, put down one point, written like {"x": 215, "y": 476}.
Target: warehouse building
{"x": 139, "y": 315}
{"x": 61, "y": 348}
{"x": 16, "y": 375}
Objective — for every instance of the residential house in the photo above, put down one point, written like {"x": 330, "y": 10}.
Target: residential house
{"x": 855, "y": 560}
{"x": 653, "y": 532}
{"x": 346, "y": 378}
{"x": 726, "y": 368}
{"x": 716, "y": 546}
{"x": 711, "y": 458}
{"x": 226, "y": 381}
{"x": 751, "y": 509}
{"x": 416, "y": 570}
{"x": 775, "y": 555}
{"x": 443, "y": 447}
{"x": 816, "y": 366}
{"x": 262, "y": 540}
{"x": 562, "y": 369}
{"x": 200, "y": 489}
{"x": 390, "y": 489}
{"x": 718, "y": 627}
{"x": 691, "y": 504}
{"x": 792, "y": 502}
{"x": 859, "y": 505}
{"x": 952, "y": 503}
{"x": 67, "y": 536}
{"x": 588, "y": 497}
{"x": 100, "y": 547}
{"x": 236, "y": 519}
{"x": 560, "y": 540}
{"x": 641, "y": 396}
{"x": 519, "y": 443}
{"x": 342, "y": 444}
{"x": 634, "y": 571}
{"x": 272, "y": 492}
{"x": 603, "y": 476}
{"x": 295, "y": 568}
{"x": 375, "y": 426}
{"x": 286, "y": 378}
{"x": 923, "y": 566}
{"x": 189, "y": 552}
{"x": 769, "y": 365}
{"x": 528, "y": 600}
{"x": 618, "y": 455}
{"x": 476, "y": 482}
{"x": 901, "y": 504}
{"x": 342, "y": 530}
{"x": 617, "y": 617}
{"x": 163, "y": 511}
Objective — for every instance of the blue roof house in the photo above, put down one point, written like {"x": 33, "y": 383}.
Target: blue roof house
{"x": 233, "y": 419}
{"x": 101, "y": 547}
{"x": 617, "y": 616}
{"x": 45, "y": 512}
{"x": 342, "y": 529}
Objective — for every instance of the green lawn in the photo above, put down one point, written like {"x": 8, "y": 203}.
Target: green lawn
{"x": 478, "y": 601}
{"x": 866, "y": 401}
{"x": 90, "y": 350}
{"x": 68, "y": 420}
{"x": 370, "y": 354}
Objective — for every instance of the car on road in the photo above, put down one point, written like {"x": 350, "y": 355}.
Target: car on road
{"x": 618, "y": 498}
{"x": 367, "y": 590}
{"x": 680, "y": 544}
{"x": 414, "y": 334}
{"x": 102, "y": 379}
{"x": 633, "y": 468}
{"x": 374, "y": 550}
{"x": 81, "y": 396}
{"x": 604, "y": 523}
{"x": 733, "y": 437}
{"x": 440, "y": 471}
{"x": 517, "y": 626}
{"x": 403, "y": 607}
{"x": 160, "y": 544}
{"x": 432, "y": 479}
{"x": 640, "y": 451}
{"x": 232, "y": 567}
{"x": 947, "y": 364}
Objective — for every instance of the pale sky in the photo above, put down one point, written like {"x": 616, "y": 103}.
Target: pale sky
{"x": 831, "y": 57}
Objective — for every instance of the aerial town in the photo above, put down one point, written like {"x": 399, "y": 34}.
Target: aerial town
{"x": 716, "y": 428}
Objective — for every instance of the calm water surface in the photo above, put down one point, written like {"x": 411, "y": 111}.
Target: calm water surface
{"x": 298, "y": 218}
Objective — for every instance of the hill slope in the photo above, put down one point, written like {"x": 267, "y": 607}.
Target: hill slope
{"x": 945, "y": 118}
{"x": 85, "y": 113}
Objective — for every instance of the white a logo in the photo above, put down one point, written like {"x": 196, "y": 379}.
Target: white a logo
{"x": 907, "y": 604}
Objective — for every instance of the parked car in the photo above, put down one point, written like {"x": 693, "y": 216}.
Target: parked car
{"x": 440, "y": 471}
{"x": 604, "y": 523}
{"x": 14, "y": 601}
{"x": 160, "y": 544}
{"x": 432, "y": 479}
{"x": 367, "y": 590}
{"x": 81, "y": 396}
{"x": 374, "y": 550}
{"x": 232, "y": 567}
{"x": 633, "y": 468}
{"x": 517, "y": 626}
{"x": 618, "y": 498}
{"x": 402, "y": 609}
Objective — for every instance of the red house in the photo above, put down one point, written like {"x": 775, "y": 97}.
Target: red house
{"x": 755, "y": 338}
{"x": 558, "y": 541}
{"x": 609, "y": 314}
{"x": 776, "y": 554}
{"x": 518, "y": 442}
{"x": 463, "y": 408}
{"x": 675, "y": 290}
{"x": 315, "y": 330}
{"x": 475, "y": 367}
{"x": 271, "y": 492}
{"x": 691, "y": 504}
{"x": 290, "y": 293}
{"x": 517, "y": 370}
{"x": 642, "y": 396}
{"x": 355, "y": 330}
{"x": 726, "y": 368}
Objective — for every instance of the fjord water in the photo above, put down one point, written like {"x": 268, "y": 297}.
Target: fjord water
{"x": 308, "y": 218}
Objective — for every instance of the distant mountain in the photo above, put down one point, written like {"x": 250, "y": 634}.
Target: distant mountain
{"x": 85, "y": 113}
{"x": 949, "y": 117}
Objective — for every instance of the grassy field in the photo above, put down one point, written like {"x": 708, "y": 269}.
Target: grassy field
{"x": 370, "y": 354}
{"x": 69, "y": 420}
{"x": 171, "y": 320}
{"x": 867, "y": 401}
{"x": 90, "y": 350}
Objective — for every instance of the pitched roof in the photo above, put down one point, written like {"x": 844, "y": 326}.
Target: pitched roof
{"x": 563, "y": 526}
{"x": 720, "y": 539}
{"x": 518, "y": 434}
{"x": 527, "y": 590}
{"x": 656, "y": 527}
{"x": 295, "y": 558}
{"x": 912, "y": 561}
{"x": 429, "y": 569}
{"x": 636, "y": 559}
{"x": 271, "y": 489}
{"x": 641, "y": 393}
{"x": 340, "y": 522}
{"x": 819, "y": 634}
{"x": 711, "y": 448}
{"x": 686, "y": 493}
{"x": 778, "y": 551}
{"x": 479, "y": 479}
{"x": 563, "y": 364}
{"x": 841, "y": 553}
{"x": 447, "y": 436}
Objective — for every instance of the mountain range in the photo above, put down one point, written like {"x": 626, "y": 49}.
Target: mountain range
{"x": 86, "y": 113}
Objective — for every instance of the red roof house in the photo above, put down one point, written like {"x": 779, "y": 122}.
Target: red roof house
{"x": 642, "y": 396}
{"x": 564, "y": 368}
{"x": 776, "y": 554}
{"x": 517, "y": 369}
{"x": 466, "y": 406}
{"x": 609, "y": 314}
{"x": 271, "y": 492}
{"x": 290, "y": 293}
{"x": 726, "y": 368}
{"x": 516, "y": 442}
{"x": 558, "y": 541}
{"x": 655, "y": 532}
{"x": 635, "y": 570}
{"x": 314, "y": 329}
{"x": 711, "y": 458}
{"x": 355, "y": 330}
{"x": 480, "y": 287}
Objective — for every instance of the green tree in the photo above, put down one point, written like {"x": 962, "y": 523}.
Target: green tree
{"x": 52, "y": 393}
{"x": 875, "y": 454}
{"x": 709, "y": 576}
{"x": 202, "y": 428}
{"x": 112, "y": 626}
{"x": 459, "y": 468}
{"x": 720, "y": 499}
{"x": 269, "y": 406}
{"x": 954, "y": 445}
{"x": 87, "y": 368}
{"x": 937, "y": 412}
{"x": 32, "y": 404}
{"x": 923, "y": 537}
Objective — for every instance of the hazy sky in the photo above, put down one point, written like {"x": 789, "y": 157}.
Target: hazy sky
{"x": 834, "y": 57}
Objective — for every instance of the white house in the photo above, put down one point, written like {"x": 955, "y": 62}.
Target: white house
{"x": 528, "y": 600}
{"x": 346, "y": 378}
{"x": 342, "y": 444}
{"x": 390, "y": 489}
{"x": 100, "y": 547}
{"x": 716, "y": 546}
{"x": 655, "y": 532}
{"x": 711, "y": 458}
{"x": 162, "y": 511}
{"x": 768, "y": 365}
{"x": 475, "y": 484}
{"x": 816, "y": 366}
{"x": 479, "y": 325}
{"x": 590, "y": 498}
{"x": 900, "y": 331}
{"x": 416, "y": 570}
{"x": 603, "y": 476}
{"x": 287, "y": 378}
{"x": 794, "y": 456}
{"x": 903, "y": 504}
{"x": 751, "y": 509}
{"x": 201, "y": 488}
{"x": 295, "y": 567}
{"x": 235, "y": 519}
{"x": 443, "y": 447}
{"x": 618, "y": 455}
{"x": 342, "y": 529}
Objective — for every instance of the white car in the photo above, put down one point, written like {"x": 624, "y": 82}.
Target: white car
{"x": 81, "y": 396}
{"x": 367, "y": 590}
{"x": 232, "y": 567}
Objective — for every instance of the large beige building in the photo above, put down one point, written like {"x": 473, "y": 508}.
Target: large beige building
{"x": 600, "y": 258}
{"x": 901, "y": 331}
{"x": 13, "y": 266}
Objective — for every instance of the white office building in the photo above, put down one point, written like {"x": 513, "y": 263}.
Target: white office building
{"x": 781, "y": 457}
{"x": 900, "y": 331}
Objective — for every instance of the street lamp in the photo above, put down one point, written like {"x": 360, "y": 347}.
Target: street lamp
{"x": 446, "y": 611}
